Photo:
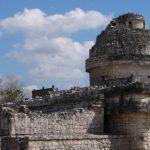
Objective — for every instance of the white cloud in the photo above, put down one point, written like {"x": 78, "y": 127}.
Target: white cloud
{"x": 27, "y": 90}
{"x": 48, "y": 43}
{"x": 10, "y": 80}
{"x": 16, "y": 45}
{"x": 59, "y": 59}
{"x": 35, "y": 21}
{"x": 56, "y": 73}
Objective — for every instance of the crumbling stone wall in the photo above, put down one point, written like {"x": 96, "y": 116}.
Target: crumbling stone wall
{"x": 77, "y": 121}
{"x": 6, "y": 115}
{"x": 59, "y": 119}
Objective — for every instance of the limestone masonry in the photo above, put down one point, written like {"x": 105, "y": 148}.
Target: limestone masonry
{"x": 113, "y": 113}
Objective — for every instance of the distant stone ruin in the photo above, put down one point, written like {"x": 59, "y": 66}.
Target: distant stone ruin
{"x": 113, "y": 113}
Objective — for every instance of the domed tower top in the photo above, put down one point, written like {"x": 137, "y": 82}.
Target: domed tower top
{"x": 123, "y": 49}
{"x": 129, "y": 20}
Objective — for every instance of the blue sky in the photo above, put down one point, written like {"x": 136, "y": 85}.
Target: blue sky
{"x": 47, "y": 41}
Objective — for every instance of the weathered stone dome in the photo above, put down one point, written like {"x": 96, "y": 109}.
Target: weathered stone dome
{"x": 119, "y": 41}
{"x": 124, "y": 41}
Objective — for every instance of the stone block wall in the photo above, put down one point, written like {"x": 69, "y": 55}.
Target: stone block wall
{"x": 135, "y": 124}
{"x": 60, "y": 120}
{"x": 130, "y": 123}
{"x": 67, "y": 142}
{"x": 81, "y": 143}
{"x": 78, "y": 121}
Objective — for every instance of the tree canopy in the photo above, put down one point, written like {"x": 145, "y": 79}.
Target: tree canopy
{"x": 10, "y": 89}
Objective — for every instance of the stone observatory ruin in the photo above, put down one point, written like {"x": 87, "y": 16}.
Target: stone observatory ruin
{"x": 113, "y": 113}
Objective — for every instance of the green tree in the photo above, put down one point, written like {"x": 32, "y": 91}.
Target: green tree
{"x": 10, "y": 89}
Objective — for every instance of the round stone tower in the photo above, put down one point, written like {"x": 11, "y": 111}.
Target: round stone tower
{"x": 121, "y": 51}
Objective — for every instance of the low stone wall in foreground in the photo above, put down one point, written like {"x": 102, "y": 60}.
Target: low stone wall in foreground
{"x": 78, "y": 142}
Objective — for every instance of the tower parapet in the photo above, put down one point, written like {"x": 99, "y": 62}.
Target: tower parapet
{"x": 129, "y": 20}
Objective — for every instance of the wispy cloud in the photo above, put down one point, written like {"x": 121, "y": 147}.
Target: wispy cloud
{"x": 27, "y": 90}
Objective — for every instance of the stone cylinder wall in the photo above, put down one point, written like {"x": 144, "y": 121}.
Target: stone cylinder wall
{"x": 134, "y": 124}
{"x": 115, "y": 71}
{"x": 137, "y": 24}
